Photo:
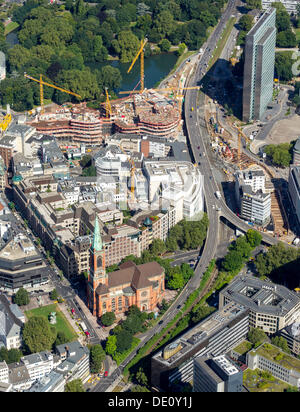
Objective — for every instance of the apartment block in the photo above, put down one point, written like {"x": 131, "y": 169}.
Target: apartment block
{"x": 46, "y": 371}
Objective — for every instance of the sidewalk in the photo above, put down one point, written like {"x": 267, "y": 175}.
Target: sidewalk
{"x": 100, "y": 332}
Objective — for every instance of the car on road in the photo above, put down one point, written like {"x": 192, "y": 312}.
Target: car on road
{"x": 160, "y": 322}
{"x": 106, "y": 373}
{"x": 179, "y": 306}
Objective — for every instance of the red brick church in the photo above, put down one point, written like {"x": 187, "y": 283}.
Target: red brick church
{"x": 140, "y": 285}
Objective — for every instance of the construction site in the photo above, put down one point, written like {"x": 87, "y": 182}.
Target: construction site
{"x": 227, "y": 141}
{"x": 153, "y": 112}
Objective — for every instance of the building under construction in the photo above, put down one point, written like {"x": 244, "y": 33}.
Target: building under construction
{"x": 70, "y": 122}
{"x": 148, "y": 113}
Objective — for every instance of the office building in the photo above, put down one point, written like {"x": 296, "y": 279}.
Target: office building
{"x": 255, "y": 206}
{"x": 21, "y": 265}
{"x": 54, "y": 382}
{"x": 272, "y": 307}
{"x": 272, "y": 359}
{"x": 259, "y": 66}
{"x": 254, "y": 203}
{"x": 291, "y": 334}
{"x": 217, "y": 374}
{"x": 294, "y": 188}
{"x": 296, "y": 153}
{"x": 214, "y": 336}
{"x": 290, "y": 5}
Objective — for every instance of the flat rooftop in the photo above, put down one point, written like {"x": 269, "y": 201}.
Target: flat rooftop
{"x": 271, "y": 353}
{"x": 261, "y": 296}
{"x": 18, "y": 248}
{"x": 202, "y": 331}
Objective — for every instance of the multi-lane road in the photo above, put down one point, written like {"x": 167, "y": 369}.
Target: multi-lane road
{"x": 195, "y": 135}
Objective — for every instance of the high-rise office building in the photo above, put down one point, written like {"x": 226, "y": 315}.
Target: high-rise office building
{"x": 259, "y": 66}
{"x": 217, "y": 374}
{"x": 294, "y": 188}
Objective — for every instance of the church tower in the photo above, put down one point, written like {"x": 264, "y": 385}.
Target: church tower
{"x": 97, "y": 272}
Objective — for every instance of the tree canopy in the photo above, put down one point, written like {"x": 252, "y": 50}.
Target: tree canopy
{"x": 38, "y": 335}
{"x": 21, "y": 297}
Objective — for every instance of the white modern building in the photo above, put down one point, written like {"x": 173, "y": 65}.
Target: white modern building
{"x": 48, "y": 372}
{"x": 254, "y": 203}
{"x": 175, "y": 184}
{"x": 2, "y": 66}
{"x": 38, "y": 365}
{"x": 290, "y": 5}
{"x": 282, "y": 366}
{"x": 4, "y": 372}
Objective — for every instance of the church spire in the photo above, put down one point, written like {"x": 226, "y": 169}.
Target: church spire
{"x": 97, "y": 240}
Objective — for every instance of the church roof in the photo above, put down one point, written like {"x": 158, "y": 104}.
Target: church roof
{"x": 137, "y": 277}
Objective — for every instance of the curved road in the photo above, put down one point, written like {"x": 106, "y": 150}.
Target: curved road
{"x": 196, "y": 133}
{"x": 196, "y": 139}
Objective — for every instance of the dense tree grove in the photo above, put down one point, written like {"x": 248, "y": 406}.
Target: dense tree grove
{"x": 65, "y": 42}
{"x": 281, "y": 154}
{"x": 285, "y": 36}
{"x": 281, "y": 264}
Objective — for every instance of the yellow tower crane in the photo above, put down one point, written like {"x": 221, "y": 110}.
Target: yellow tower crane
{"x": 107, "y": 105}
{"x": 5, "y": 123}
{"x": 140, "y": 53}
{"x": 43, "y": 83}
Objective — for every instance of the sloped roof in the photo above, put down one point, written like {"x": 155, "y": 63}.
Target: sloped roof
{"x": 137, "y": 277}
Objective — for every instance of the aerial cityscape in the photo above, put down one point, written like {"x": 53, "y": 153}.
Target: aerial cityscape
{"x": 149, "y": 198}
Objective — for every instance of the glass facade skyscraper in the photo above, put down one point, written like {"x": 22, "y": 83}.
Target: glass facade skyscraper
{"x": 259, "y": 66}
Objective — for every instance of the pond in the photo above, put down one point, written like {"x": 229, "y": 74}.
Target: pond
{"x": 157, "y": 67}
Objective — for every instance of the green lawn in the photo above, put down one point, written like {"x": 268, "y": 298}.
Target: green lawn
{"x": 62, "y": 323}
{"x": 297, "y": 32}
{"x": 243, "y": 347}
{"x": 10, "y": 27}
